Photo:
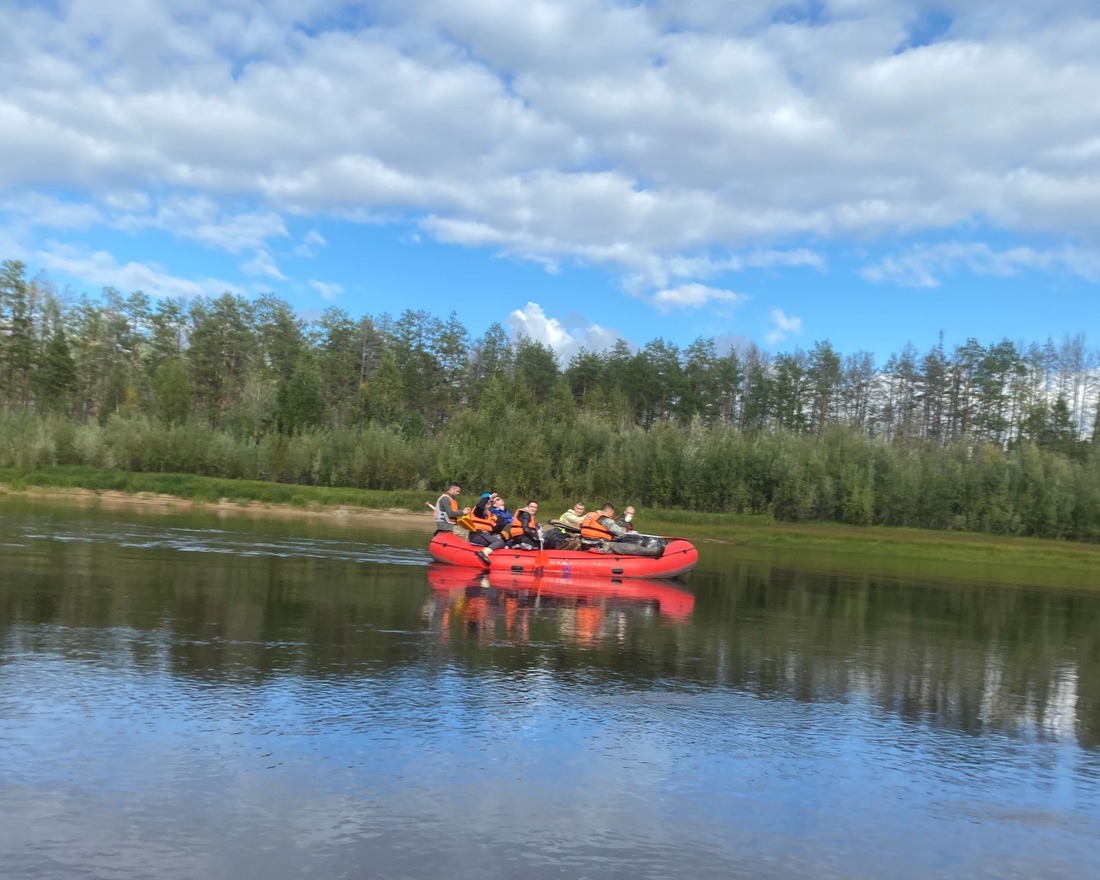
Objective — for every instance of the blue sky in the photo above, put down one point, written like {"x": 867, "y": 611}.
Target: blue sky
{"x": 869, "y": 172}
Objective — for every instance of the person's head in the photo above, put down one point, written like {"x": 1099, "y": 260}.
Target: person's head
{"x": 608, "y": 510}
{"x": 496, "y": 501}
{"x": 454, "y": 490}
{"x": 578, "y": 509}
{"x": 533, "y": 506}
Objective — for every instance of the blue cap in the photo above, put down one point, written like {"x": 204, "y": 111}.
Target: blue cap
{"x": 486, "y": 495}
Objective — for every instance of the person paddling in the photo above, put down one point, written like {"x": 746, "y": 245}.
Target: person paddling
{"x": 446, "y": 508}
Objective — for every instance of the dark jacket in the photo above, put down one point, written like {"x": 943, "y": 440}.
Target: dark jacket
{"x": 524, "y": 525}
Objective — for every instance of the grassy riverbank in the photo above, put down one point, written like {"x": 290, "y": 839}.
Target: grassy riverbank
{"x": 913, "y": 548}
{"x": 204, "y": 490}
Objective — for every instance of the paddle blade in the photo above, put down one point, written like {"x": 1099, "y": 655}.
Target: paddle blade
{"x": 540, "y": 560}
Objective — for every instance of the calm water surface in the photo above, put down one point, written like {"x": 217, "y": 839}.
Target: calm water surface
{"x": 194, "y": 697}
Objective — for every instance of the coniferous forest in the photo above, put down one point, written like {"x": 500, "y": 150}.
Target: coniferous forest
{"x": 993, "y": 436}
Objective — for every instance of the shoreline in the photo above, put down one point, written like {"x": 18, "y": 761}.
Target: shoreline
{"x": 947, "y": 555}
{"x": 153, "y": 502}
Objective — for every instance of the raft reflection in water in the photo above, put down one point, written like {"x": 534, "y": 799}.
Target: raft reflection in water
{"x": 501, "y": 604}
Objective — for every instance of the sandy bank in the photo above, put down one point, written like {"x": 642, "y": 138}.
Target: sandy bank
{"x": 150, "y": 502}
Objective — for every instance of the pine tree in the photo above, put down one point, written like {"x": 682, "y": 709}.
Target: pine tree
{"x": 172, "y": 391}
{"x": 17, "y": 345}
{"x": 55, "y": 379}
{"x": 300, "y": 404}
{"x": 383, "y": 397}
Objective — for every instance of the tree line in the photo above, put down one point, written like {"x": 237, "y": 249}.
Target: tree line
{"x": 992, "y": 437}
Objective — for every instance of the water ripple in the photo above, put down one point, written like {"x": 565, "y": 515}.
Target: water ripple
{"x": 163, "y": 715}
{"x": 225, "y": 542}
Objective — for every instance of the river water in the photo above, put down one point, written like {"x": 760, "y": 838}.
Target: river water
{"x": 188, "y": 696}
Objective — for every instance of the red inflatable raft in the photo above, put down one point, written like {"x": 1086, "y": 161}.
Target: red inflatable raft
{"x": 679, "y": 557}
{"x": 675, "y": 604}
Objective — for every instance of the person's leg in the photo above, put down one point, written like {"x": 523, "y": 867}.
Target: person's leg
{"x": 488, "y": 543}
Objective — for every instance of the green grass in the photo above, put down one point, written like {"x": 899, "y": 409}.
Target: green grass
{"x": 942, "y": 555}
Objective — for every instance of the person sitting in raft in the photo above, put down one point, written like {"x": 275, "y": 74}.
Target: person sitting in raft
{"x": 599, "y": 528}
{"x": 501, "y": 511}
{"x": 523, "y": 533}
{"x": 446, "y": 508}
{"x": 566, "y": 531}
{"x": 627, "y": 519}
{"x": 486, "y": 525}
{"x": 573, "y": 516}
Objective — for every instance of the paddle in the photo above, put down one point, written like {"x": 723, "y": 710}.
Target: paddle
{"x": 540, "y": 560}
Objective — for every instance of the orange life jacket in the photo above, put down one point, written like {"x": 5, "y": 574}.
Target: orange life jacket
{"x": 515, "y": 530}
{"x": 482, "y": 523}
{"x": 593, "y": 529}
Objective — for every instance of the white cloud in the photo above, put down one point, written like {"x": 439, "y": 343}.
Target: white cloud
{"x": 783, "y": 325}
{"x": 328, "y": 289}
{"x": 48, "y": 211}
{"x": 631, "y": 137}
{"x": 127, "y": 201}
{"x": 103, "y": 269}
{"x": 262, "y": 263}
{"x": 772, "y": 259}
{"x": 656, "y": 272}
{"x": 533, "y": 322}
{"x": 191, "y": 217}
{"x": 310, "y": 244}
{"x": 202, "y": 219}
{"x": 925, "y": 265}
{"x": 693, "y": 296}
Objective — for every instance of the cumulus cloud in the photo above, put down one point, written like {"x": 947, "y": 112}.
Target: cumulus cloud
{"x": 533, "y": 322}
{"x": 783, "y": 325}
{"x": 666, "y": 142}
